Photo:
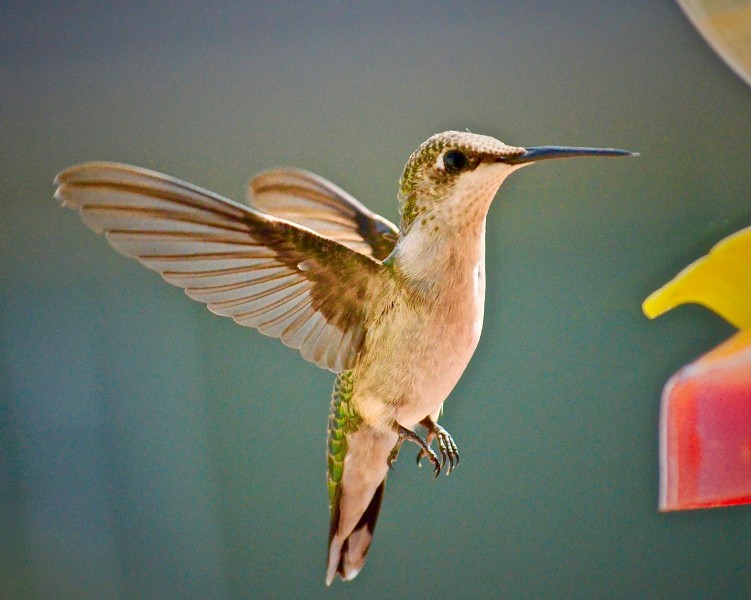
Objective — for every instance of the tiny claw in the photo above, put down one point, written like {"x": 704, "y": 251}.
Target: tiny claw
{"x": 437, "y": 465}
{"x": 448, "y": 448}
{"x": 393, "y": 455}
{"x": 444, "y": 452}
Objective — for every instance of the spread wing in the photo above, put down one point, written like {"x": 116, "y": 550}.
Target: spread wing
{"x": 315, "y": 203}
{"x": 262, "y": 271}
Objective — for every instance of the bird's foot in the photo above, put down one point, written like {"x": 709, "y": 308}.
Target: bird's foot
{"x": 425, "y": 449}
{"x": 446, "y": 445}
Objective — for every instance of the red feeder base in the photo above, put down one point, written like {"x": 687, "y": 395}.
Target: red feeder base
{"x": 705, "y": 430}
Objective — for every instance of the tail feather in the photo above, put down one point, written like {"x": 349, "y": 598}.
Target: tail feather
{"x": 347, "y": 555}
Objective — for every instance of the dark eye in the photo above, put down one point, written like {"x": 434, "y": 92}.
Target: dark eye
{"x": 455, "y": 161}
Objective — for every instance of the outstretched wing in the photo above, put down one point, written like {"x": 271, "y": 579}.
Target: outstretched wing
{"x": 315, "y": 203}
{"x": 262, "y": 271}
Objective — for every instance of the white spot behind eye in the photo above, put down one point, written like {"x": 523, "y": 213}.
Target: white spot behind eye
{"x": 439, "y": 162}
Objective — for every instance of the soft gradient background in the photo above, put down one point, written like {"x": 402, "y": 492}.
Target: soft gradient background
{"x": 149, "y": 449}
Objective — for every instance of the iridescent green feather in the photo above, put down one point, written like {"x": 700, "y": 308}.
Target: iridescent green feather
{"x": 342, "y": 421}
{"x": 408, "y": 206}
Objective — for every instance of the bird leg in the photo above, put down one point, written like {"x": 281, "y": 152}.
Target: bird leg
{"x": 446, "y": 444}
{"x": 407, "y": 434}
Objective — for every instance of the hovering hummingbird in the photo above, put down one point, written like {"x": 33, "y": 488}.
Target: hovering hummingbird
{"x": 396, "y": 313}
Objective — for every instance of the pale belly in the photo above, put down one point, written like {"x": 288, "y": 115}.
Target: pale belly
{"x": 416, "y": 359}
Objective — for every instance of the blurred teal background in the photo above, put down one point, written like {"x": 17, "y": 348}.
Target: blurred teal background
{"x": 149, "y": 449}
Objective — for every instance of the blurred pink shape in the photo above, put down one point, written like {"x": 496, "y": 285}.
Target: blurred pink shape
{"x": 705, "y": 430}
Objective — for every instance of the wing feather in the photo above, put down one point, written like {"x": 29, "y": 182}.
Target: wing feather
{"x": 313, "y": 202}
{"x": 258, "y": 271}
{"x": 261, "y": 270}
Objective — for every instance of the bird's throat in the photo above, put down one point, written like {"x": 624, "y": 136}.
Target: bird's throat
{"x": 434, "y": 259}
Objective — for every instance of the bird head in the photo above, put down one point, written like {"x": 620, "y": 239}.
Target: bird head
{"x": 454, "y": 175}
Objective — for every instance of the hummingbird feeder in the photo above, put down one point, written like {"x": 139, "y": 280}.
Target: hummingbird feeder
{"x": 705, "y": 417}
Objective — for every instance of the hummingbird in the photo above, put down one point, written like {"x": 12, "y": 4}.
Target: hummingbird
{"x": 395, "y": 312}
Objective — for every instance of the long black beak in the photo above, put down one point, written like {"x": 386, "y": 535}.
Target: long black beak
{"x": 546, "y": 152}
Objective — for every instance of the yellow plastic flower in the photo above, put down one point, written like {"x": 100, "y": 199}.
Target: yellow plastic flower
{"x": 721, "y": 281}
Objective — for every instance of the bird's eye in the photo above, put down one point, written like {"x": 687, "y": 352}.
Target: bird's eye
{"x": 455, "y": 161}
